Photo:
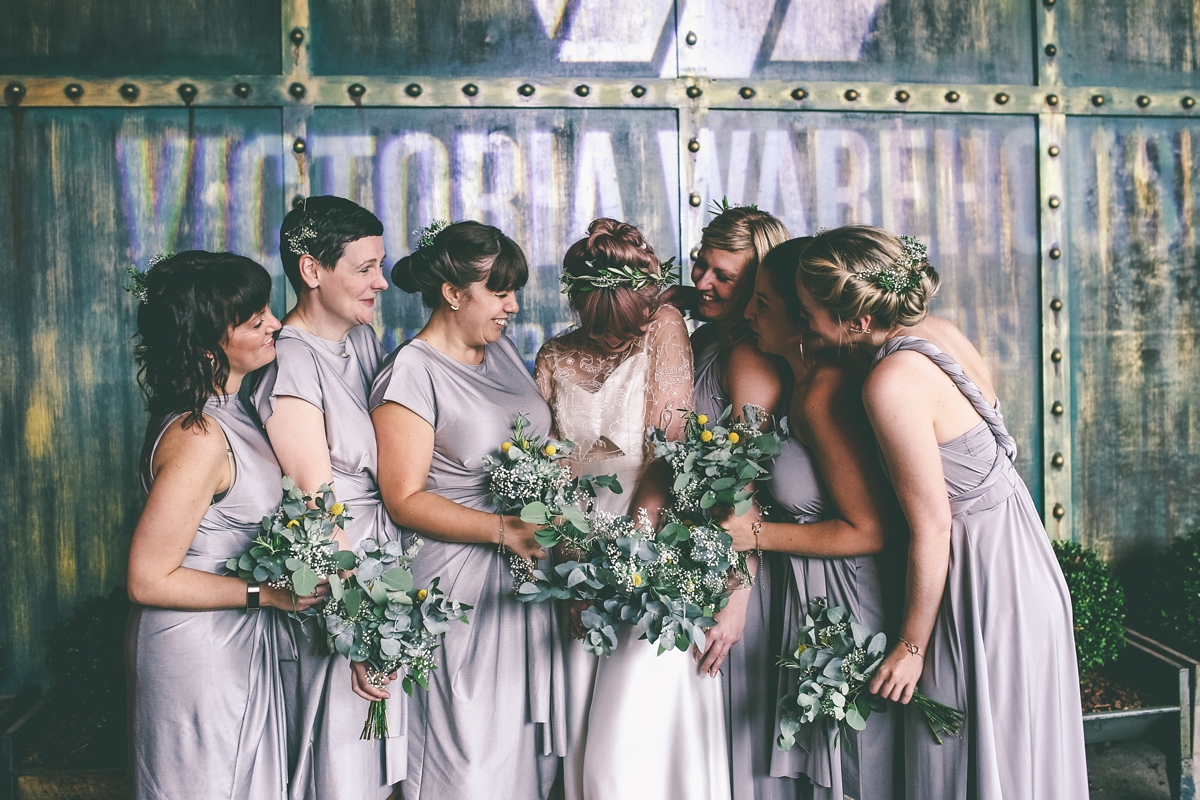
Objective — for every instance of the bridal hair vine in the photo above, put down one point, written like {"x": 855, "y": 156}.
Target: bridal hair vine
{"x": 904, "y": 274}
{"x": 426, "y": 235}
{"x": 624, "y": 275}
{"x": 299, "y": 237}
{"x": 724, "y": 205}
{"x": 137, "y": 278}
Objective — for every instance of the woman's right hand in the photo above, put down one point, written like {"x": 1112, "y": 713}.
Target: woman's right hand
{"x": 520, "y": 538}
{"x": 285, "y": 600}
{"x": 685, "y": 298}
{"x": 361, "y": 683}
{"x": 575, "y": 609}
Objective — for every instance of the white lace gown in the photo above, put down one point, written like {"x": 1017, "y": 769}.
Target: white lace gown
{"x": 639, "y": 724}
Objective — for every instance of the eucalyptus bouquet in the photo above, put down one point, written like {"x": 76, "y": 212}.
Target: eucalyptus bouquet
{"x": 296, "y": 549}
{"x": 836, "y": 657}
{"x": 380, "y": 617}
{"x": 717, "y": 465}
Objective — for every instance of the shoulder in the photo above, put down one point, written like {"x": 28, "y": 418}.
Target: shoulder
{"x": 744, "y": 360}
{"x": 830, "y": 389}
{"x": 903, "y": 379}
{"x": 199, "y": 446}
{"x": 364, "y": 339}
{"x": 290, "y": 349}
{"x": 508, "y": 348}
{"x": 668, "y": 316}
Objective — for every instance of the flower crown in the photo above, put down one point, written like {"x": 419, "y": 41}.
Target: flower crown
{"x": 426, "y": 235}
{"x": 624, "y": 275}
{"x": 137, "y": 278}
{"x": 904, "y": 274}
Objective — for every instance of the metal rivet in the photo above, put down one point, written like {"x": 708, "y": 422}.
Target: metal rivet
{"x": 746, "y": 92}
{"x": 14, "y": 92}
{"x": 694, "y": 92}
{"x": 1052, "y": 99}
{"x": 952, "y": 96}
{"x": 902, "y": 96}
{"x": 583, "y": 90}
{"x": 242, "y": 90}
{"x": 694, "y": 199}
{"x": 1059, "y": 511}
{"x": 1054, "y": 202}
{"x": 1053, "y": 151}
{"x": 693, "y": 146}
{"x": 525, "y": 90}
{"x": 1143, "y": 101}
{"x": 1056, "y": 355}
{"x": 851, "y": 95}
{"x": 1057, "y": 460}
{"x": 799, "y": 94}
{"x": 1048, "y": 3}
{"x": 470, "y": 90}
{"x": 73, "y": 91}
{"x": 297, "y": 36}
{"x": 297, "y": 200}
{"x": 188, "y": 92}
{"x": 1055, "y": 253}
{"x": 413, "y": 90}
{"x": 1097, "y": 100}
{"x": 1051, "y": 50}
{"x": 1188, "y": 102}
{"x": 638, "y": 91}
{"x": 690, "y": 38}
{"x": 1056, "y": 304}
{"x": 299, "y": 147}
{"x": 1001, "y": 98}
{"x": 297, "y": 90}
{"x": 129, "y": 91}
{"x": 695, "y": 253}
{"x": 1057, "y": 409}
{"x": 356, "y": 90}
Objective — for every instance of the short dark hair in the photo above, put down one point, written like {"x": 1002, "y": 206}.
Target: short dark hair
{"x": 192, "y": 300}
{"x": 335, "y": 223}
{"x": 781, "y": 265}
{"x": 462, "y": 254}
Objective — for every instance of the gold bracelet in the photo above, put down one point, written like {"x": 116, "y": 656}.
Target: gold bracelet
{"x": 756, "y": 529}
{"x": 912, "y": 649}
{"x": 500, "y": 547}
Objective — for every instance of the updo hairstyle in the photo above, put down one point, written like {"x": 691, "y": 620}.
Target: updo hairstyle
{"x": 619, "y": 310}
{"x": 780, "y": 267}
{"x": 461, "y": 254}
{"x": 192, "y": 300}
{"x": 830, "y": 268}
{"x": 335, "y": 221}
{"x": 743, "y": 228}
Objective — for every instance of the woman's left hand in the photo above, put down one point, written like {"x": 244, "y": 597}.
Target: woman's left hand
{"x": 741, "y": 529}
{"x": 896, "y": 679}
{"x": 731, "y": 622}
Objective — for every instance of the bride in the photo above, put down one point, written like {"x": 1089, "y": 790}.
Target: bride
{"x": 656, "y": 728}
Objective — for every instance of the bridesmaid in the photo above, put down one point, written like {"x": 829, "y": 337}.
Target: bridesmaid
{"x": 987, "y": 618}
{"x": 732, "y": 370}
{"x": 206, "y": 716}
{"x": 492, "y": 723}
{"x": 828, "y": 483}
{"x": 313, "y": 401}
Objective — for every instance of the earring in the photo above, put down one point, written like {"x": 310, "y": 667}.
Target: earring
{"x": 454, "y": 308}
{"x": 859, "y": 330}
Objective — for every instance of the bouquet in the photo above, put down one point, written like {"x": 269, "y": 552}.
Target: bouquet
{"x": 836, "y": 657}
{"x": 380, "y": 617}
{"x": 716, "y": 465}
{"x": 296, "y": 549}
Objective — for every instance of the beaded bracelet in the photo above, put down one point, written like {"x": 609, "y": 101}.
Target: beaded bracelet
{"x": 500, "y": 547}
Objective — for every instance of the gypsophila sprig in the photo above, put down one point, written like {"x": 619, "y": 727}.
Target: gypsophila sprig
{"x": 296, "y": 549}
{"x": 299, "y": 238}
{"x": 425, "y": 236}
{"x": 834, "y": 660}
{"x": 137, "y": 284}
{"x": 905, "y": 274}
{"x": 604, "y": 277}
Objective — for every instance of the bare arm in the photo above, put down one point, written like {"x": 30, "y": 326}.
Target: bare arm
{"x": 297, "y": 432}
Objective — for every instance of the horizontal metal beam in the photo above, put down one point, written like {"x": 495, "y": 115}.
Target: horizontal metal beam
{"x": 274, "y": 91}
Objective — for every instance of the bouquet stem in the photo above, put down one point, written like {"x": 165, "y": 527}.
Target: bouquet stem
{"x": 941, "y": 718}
{"x": 376, "y": 726}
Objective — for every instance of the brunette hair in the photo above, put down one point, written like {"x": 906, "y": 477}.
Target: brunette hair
{"x": 192, "y": 300}
{"x": 780, "y": 266}
{"x": 461, "y": 254}
{"x": 330, "y": 223}
{"x": 619, "y": 310}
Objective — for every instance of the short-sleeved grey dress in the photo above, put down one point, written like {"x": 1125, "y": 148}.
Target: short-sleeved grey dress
{"x": 325, "y": 717}
{"x": 205, "y": 703}
{"x": 1003, "y": 646}
{"x": 492, "y": 723}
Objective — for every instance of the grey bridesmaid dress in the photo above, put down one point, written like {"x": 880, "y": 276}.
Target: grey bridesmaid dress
{"x": 327, "y": 759}
{"x": 493, "y": 722}
{"x": 206, "y": 707}
{"x": 1003, "y": 647}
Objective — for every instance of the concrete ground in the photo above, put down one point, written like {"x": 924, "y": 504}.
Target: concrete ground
{"x": 1126, "y": 771}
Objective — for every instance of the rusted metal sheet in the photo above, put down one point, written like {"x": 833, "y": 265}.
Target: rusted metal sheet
{"x": 1133, "y": 194}
{"x": 1143, "y": 44}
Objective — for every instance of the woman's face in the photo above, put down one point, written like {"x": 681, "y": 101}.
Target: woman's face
{"x": 826, "y": 327}
{"x": 251, "y": 345}
{"x": 722, "y": 279}
{"x": 482, "y": 313}
{"x": 778, "y": 332}
{"x": 348, "y": 290}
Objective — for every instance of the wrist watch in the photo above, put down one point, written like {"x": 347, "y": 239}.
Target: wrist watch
{"x": 252, "y": 597}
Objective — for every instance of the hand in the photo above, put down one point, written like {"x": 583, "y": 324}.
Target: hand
{"x": 896, "y": 679}
{"x": 575, "y": 610}
{"x": 287, "y": 601}
{"x": 363, "y": 687}
{"x": 685, "y": 298}
{"x": 520, "y": 538}
{"x": 740, "y": 529}
{"x": 731, "y": 622}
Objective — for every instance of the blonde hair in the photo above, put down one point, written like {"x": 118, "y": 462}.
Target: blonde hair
{"x": 737, "y": 230}
{"x": 831, "y": 268}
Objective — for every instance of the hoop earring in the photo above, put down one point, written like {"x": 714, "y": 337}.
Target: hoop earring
{"x": 860, "y": 330}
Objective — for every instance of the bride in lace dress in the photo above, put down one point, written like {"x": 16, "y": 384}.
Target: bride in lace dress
{"x": 656, "y": 728}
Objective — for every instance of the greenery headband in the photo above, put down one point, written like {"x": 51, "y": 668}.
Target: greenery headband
{"x": 902, "y": 276}
{"x": 624, "y": 275}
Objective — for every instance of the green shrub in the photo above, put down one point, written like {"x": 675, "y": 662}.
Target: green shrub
{"x": 1168, "y": 606}
{"x": 87, "y": 661}
{"x": 1098, "y": 603}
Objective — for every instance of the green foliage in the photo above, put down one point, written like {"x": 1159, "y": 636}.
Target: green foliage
{"x": 1168, "y": 605}
{"x": 1098, "y": 603}
{"x": 87, "y": 662}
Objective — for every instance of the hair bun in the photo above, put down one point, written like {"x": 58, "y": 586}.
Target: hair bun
{"x": 402, "y": 274}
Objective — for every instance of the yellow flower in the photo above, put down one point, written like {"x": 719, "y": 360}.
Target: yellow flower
{"x": 294, "y": 523}
{"x": 733, "y": 438}
{"x": 702, "y": 419}
{"x": 800, "y": 650}
{"x": 706, "y": 436}
{"x": 504, "y": 448}
{"x": 337, "y": 509}
{"x": 637, "y": 579}
{"x": 421, "y": 595}
{"x": 550, "y": 450}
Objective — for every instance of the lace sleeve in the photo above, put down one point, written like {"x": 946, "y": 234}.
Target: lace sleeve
{"x": 669, "y": 387}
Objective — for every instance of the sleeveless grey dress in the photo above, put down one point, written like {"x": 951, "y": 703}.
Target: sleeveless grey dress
{"x": 860, "y": 765}
{"x": 206, "y": 708}
{"x": 492, "y": 723}
{"x": 750, "y": 673}
{"x": 1003, "y": 647}
{"x": 327, "y": 758}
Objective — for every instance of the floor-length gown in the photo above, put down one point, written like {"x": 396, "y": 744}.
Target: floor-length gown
{"x": 1003, "y": 647}
{"x": 492, "y": 722}
{"x": 206, "y": 709}
{"x": 327, "y": 758}
{"x": 639, "y": 723}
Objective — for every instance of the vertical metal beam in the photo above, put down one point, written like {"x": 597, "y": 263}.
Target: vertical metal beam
{"x": 296, "y": 154}
{"x": 693, "y": 117}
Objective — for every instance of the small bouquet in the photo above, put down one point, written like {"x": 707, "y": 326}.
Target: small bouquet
{"x": 380, "y": 617}
{"x": 716, "y": 465}
{"x": 836, "y": 657}
{"x": 296, "y": 549}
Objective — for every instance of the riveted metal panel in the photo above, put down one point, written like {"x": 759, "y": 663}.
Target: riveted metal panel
{"x": 1140, "y": 44}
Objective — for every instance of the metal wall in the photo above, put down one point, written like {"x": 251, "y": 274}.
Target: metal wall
{"x": 1044, "y": 149}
